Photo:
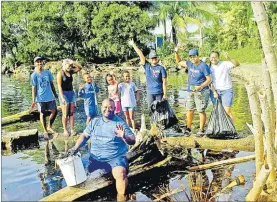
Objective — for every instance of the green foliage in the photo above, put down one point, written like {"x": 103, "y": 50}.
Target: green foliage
{"x": 58, "y": 30}
{"x": 115, "y": 24}
{"x": 247, "y": 55}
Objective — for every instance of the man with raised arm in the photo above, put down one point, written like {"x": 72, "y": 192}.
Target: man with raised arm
{"x": 199, "y": 79}
{"x": 156, "y": 76}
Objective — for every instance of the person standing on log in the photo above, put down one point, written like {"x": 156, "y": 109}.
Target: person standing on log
{"x": 156, "y": 76}
{"x": 43, "y": 93}
{"x": 221, "y": 80}
{"x": 67, "y": 96}
{"x": 110, "y": 137}
{"x": 199, "y": 78}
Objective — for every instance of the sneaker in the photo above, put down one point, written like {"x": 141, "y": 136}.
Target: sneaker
{"x": 200, "y": 133}
{"x": 187, "y": 132}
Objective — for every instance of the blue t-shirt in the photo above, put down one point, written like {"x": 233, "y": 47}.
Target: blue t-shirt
{"x": 42, "y": 81}
{"x": 197, "y": 74}
{"x": 105, "y": 145}
{"x": 88, "y": 93}
{"x": 154, "y": 77}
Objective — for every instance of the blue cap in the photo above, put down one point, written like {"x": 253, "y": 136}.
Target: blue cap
{"x": 193, "y": 52}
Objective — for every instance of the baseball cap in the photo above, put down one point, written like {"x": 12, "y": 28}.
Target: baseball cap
{"x": 193, "y": 52}
{"x": 38, "y": 58}
{"x": 153, "y": 54}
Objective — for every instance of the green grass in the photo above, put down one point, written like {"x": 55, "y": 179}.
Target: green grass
{"x": 246, "y": 55}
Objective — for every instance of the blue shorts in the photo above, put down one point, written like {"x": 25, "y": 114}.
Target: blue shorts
{"x": 107, "y": 166}
{"x": 125, "y": 109}
{"x": 44, "y": 106}
{"x": 227, "y": 97}
{"x": 69, "y": 97}
{"x": 91, "y": 111}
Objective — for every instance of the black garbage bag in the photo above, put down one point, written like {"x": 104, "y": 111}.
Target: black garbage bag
{"x": 220, "y": 124}
{"x": 162, "y": 113}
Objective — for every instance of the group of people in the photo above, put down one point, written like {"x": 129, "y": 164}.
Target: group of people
{"x": 111, "y": 135}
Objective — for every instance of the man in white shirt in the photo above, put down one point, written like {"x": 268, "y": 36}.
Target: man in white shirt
{"x": 221, "y": 80}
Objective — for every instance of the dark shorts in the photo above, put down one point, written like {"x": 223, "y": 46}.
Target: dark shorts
{"x": 107, "y": 166}
{"x": 152, "y": 97}
{"x": 44, "y": 106}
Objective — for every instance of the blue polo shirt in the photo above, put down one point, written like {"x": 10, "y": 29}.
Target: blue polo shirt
{"x": 154, "y": 75}
{"x": 105, "y": 145}
{"x": 197, "y": 74}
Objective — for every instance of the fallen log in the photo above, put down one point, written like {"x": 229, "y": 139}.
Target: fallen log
{"x": 20, "y": 140}
{"x": 243, "y": 144}
{"x": 93, "y": 184}
{"x": 143, "y": 157}
{"x": 222, "y": 163}
{"x": 23, "y": 116}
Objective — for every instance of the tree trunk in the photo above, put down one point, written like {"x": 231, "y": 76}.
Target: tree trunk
{"x": 257, "y": 126}
{"x": 201, "y": 37}
{"x": 174, "y": 37}
{"x": 164, "y": 26}
{"x": 255, "y": 192}
{"x": 270, "y": 153}
{"x": 243, "y": 144}
{"x": 268, "y": 48}
{"x": 269, "y": 95}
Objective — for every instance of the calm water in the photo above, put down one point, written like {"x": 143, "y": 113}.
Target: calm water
{"x": 20, "y": 171}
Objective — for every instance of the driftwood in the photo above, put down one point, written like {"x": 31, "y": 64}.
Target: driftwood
{"x": 143, "y": 157}
{"x": 20, "y": 140}
{"x": 23, "y": 116}
{"x": 269, "y": 138}
{"x": 255, "y": 192}
{"x": 257, "y": 125}
{"x": 222, "y": 163}
{"x": 243, "y": 144}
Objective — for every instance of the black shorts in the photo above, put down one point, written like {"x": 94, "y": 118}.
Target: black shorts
{"x": 44, "y": 106}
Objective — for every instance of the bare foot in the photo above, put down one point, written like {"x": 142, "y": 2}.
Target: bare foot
{"x": 65, "y": 133}
{"x": 73, "y": 133}
{"x": 50, "y": 130}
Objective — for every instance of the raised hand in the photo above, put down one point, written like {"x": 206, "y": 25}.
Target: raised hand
{"x": 119, "y": 131}
{"x": 131, "y": 42}
{"x": 81, "y": 86}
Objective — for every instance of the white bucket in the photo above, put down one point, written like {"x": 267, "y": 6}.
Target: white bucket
{"x": 72, "y": 169}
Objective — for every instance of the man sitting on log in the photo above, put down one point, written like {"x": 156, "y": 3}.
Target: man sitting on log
{"x": 110, "y": 137}
{"x": 43, "y": 93}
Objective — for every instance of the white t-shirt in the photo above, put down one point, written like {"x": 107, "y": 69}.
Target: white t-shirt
{"x": 221, "y": 77}
{"x": 128, "y": 94}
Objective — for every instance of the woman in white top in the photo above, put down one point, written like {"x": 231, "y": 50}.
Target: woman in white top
{"x": 221, "y": 80}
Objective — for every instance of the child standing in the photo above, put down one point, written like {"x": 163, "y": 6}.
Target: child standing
{"x": 113, "y": 91}
{"x": 129, "y": 98}
{"x": 88, "y": 92}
